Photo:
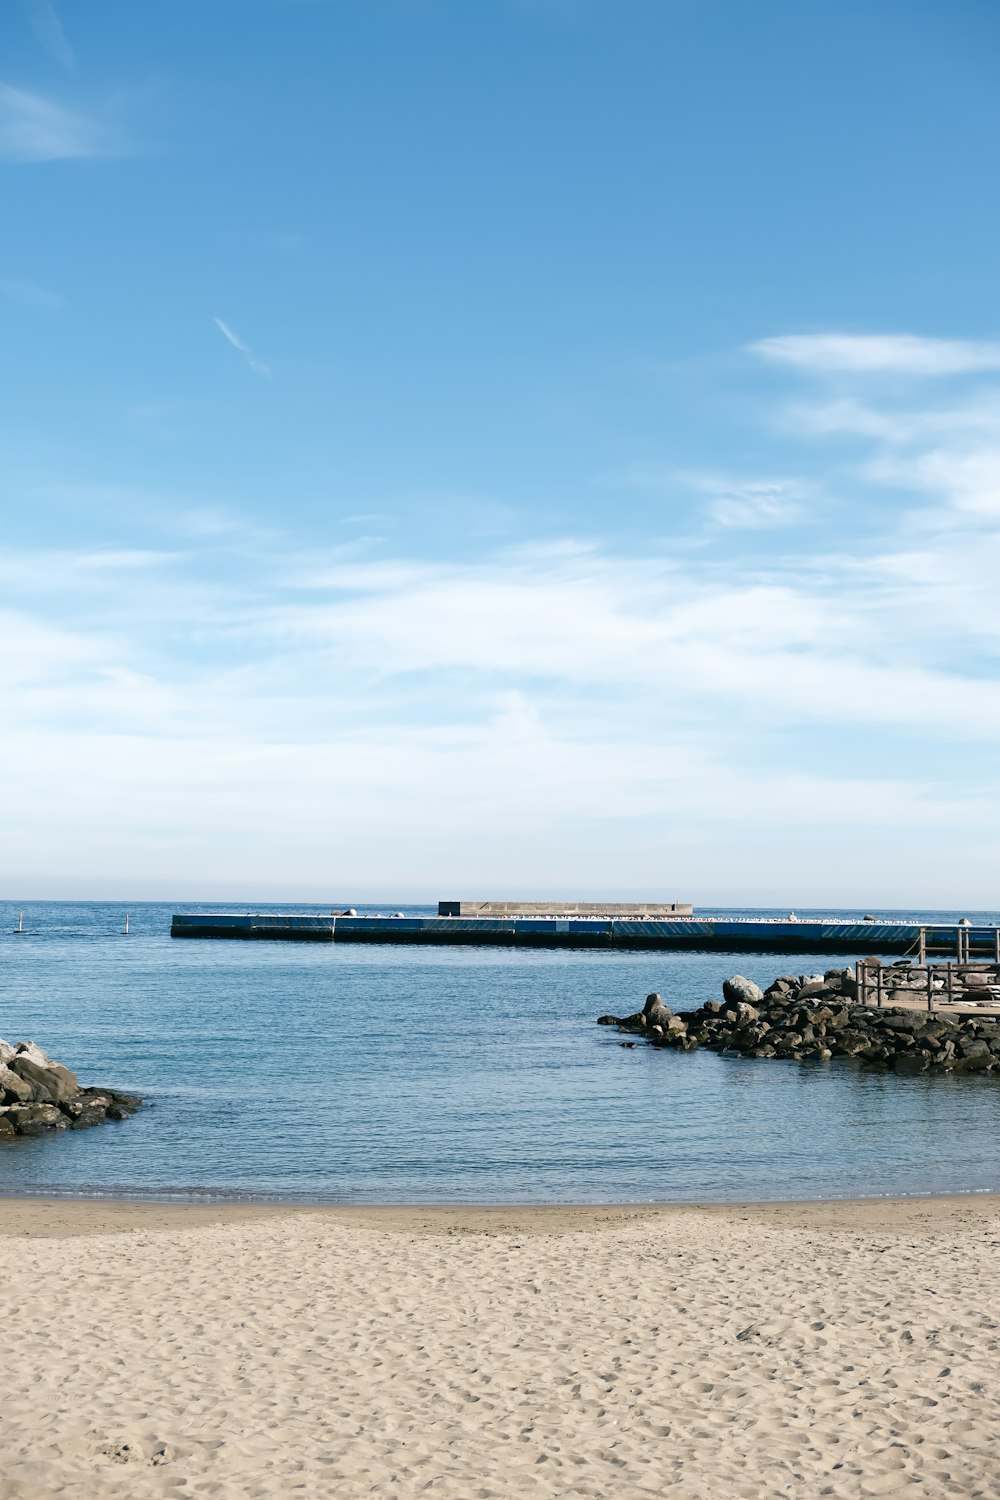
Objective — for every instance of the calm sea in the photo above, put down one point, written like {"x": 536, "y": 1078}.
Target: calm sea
{"x": 344, "y": 1073}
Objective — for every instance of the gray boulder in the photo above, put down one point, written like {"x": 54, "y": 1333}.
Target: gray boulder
{"x": 50, "y": 1081}
{"x": 13, "y": 1088}
{"x": 656, "y": 1013}
{"x": 738, "y": 990}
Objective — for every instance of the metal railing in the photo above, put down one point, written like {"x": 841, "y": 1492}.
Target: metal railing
{"x": 944, "y": 983}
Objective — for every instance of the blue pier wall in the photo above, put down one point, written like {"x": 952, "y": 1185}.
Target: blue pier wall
{"x": 278, "y": 925}
{"x": 706, "y": 934}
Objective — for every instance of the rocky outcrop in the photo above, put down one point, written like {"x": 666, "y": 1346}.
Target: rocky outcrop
{"x": 817, "y": 1018}
{"x": 37, "y": 1094}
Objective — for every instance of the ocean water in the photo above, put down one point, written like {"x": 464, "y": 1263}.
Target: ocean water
{"x": 343, "y": 1073}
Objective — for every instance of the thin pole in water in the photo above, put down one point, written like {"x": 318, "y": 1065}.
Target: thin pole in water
{"x": 125, "y": 934}
{"x": 20, "y": 922}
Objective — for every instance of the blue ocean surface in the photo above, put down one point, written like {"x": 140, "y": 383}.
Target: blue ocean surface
{"x": 356, "y": 1073}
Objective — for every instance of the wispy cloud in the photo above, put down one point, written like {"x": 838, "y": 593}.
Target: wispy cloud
{"x": 34, "y": 129}
{"x": 749, "y": 504}
{"x": 26, "y": 293}
{"x": 466, "y": 707}
{"x": 879, "y": 354}
{"x": 48, "y": 29}
{"x": 257, "y": 365}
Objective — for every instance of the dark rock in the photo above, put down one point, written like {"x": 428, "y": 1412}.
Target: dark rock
{"x": 970, "y": 1047}
{"x": 50, "y": 1083}
{"x": 119, "y": 1112}
{"x": 977, "y": 1062}
{"x": 33, "y": 1119}
{"x": 13, "y": 1088}
{"x": 909, "y": 1021}
{"x": 87, "y": 1109}
{"x": 656, "y": 1013}
{"x": 94, "y": 1114}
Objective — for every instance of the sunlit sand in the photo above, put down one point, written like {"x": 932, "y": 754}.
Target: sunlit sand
{"x": 796, "y": 1350}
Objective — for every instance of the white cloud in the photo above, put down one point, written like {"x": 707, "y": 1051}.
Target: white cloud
{"x": 258, "y": 367}
{"x": 48, "y": 29}
{"x": 569, "y": 709}
{"x": 967, "y": 479}
{"x": 34, "y": 129}
{"x": 879, "y": 354}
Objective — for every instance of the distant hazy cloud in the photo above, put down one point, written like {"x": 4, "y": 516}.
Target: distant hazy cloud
{"x": 257, "y": 365}
{"x": 33, "y": 129}
{"x": 890, "y": 354}
{"x": 48, "y": 28}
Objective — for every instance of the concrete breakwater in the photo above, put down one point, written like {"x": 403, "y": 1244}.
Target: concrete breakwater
{"x": 37, "y": 1094}
{"x": 818, "y": 1018}
{"x": 729, "y": 935}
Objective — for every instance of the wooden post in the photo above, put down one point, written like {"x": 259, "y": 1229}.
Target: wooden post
{"x": 951, "y": 984}
{"x": 996, "y": 945}
{"x": 922, "y": 949}
{"x": 930, "y": 987}
{"x": 878, "y": 986}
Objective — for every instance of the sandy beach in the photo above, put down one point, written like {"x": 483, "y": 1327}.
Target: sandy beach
{"x": 844, "y": 1349}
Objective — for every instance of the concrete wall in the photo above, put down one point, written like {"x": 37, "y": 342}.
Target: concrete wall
{"x": 647, "y": 909}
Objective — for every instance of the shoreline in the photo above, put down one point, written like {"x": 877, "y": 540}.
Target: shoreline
{"x": 31, "y": 1216}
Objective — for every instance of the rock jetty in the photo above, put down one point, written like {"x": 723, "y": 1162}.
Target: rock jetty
{"x": 818, "y": 1017}
{"x": 37, "y": 1094}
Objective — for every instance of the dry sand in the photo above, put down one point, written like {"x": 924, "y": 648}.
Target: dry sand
{"x": 840, "y": 1349}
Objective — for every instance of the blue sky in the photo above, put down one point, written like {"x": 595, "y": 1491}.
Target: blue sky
{"x": 501, "y": 448}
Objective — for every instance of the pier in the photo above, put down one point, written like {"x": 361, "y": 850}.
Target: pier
{"x": 705, "y": 934}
